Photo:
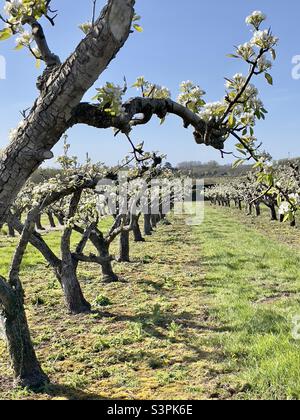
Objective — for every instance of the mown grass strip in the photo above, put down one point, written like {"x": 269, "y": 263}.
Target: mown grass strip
{"x": 252, "y": 283}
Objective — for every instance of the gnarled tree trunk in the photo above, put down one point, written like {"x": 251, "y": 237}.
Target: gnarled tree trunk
{"x": 27, "y": 370}
{"x": 51, "y": 219}
{"x": 257, "y": 210}
{"x": 138, "y": 237}
{"x": 273, "y": 212}
{"x": 154, "y": 221}
{"x": 147, "y": 225}
{"x": 61, "y": 91}
{"x": 124, "y": 247}
{"x": 39, "y": 222}
{"x": 75, "y": 301}
{"x": 11, "y": 231}
{"x": 102, "y": 246}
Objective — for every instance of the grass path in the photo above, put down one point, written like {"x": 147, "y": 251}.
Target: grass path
{"x": 253, "y": 283}
{"x": 201, "y": 313}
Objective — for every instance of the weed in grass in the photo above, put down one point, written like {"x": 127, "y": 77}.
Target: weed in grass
{"x": 101, "y": 345}
{"x": 157, "y": 316}
{"x": 174, "y": 330}
{"x": 102, "y": 301}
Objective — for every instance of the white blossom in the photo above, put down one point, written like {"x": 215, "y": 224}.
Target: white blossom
{"x": 246, "y": 51}
{"x": 264, "y": 64}
{"x": 24, "y": 38}
{"x": 13, "y": 7}
{"x": 86, "y": 27}
{"x": 191, "y": 96}
{"x": 255, "y": 19}
{"x": 212, "y": 110}
{"x": 284, "y": 208}
{"x": 248, "y": 118}
{"x": 264, "y": 39}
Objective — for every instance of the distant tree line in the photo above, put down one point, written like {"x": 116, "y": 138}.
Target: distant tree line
{"x": 211, "y": 169}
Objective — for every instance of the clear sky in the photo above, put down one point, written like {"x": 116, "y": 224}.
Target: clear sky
{"x": 182, "y": 40}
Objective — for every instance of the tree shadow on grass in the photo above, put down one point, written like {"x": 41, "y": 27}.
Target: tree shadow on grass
{"x": 51, "y": 390}
{"x": 160, "y": 329}
{"x": 70, "y": 393}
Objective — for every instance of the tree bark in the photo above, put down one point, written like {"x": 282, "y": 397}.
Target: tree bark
{"x": 249, "y": 209}
{"x": 147, "y": 225}
{"x": 75, "y": 301}
{"x": 62, "y": 92}
{"x": 51, "y": 219}
{"x": 11, "y": 231}
{"x": 154, "y": 221}
{"x": 27, "y": 370}
{"x": 124, "y": 247}
{"x": 138, "y": 237}
{"x": 108, "y": 275}
{"x": 257, "y": 210}
{"x": 39, "y": 222}
{"x": 102, "y": 246}
{"x": 273, "y": 212}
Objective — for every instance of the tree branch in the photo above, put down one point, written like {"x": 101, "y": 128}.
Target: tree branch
{"x": 92, "y": 258}
{"x": 91, "y": 114}
{"x": 61, "y": 91}
{"x": 40, "y": 39}
{"x": 6, "y": 296}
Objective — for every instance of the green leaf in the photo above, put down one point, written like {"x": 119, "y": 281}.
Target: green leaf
{"x": 138, "y": 28}
{"x": 238, "y": 163}
{"x": 19, "y": 47}
{"x": 258, "y": 165}
{"x": 269, "y": 79}
{"x": 231, "y": 120}
{"x": 5, "y": 34}
{"x": 273, "y": 53}
{"x": 279, "y": 201}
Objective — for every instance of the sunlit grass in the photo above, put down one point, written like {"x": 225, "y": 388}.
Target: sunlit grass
{"x": 202, "y": 312}
{"x": 254, "y": 283}
{"x": 138, "y": 342}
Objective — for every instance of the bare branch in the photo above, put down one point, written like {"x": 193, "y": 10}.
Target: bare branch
{"x": 92, "y": 115}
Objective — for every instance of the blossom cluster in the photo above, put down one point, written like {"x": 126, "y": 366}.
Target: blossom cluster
{"x": 255, "y": 19}
{"x": 86, "y": 27}
{"x": 191, "y": 96}
{"x": 110, "y": 99}
{"x": 151, "y": 90}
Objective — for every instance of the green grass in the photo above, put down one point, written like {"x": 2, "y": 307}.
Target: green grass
{"x": 33, "y": 259}
{"x": 253, "y": 285}
{"x": 202, "y": 312}
{"x": 137, "y": 342}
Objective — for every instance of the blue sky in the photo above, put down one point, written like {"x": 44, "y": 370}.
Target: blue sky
{"x": 181, "y": 41}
